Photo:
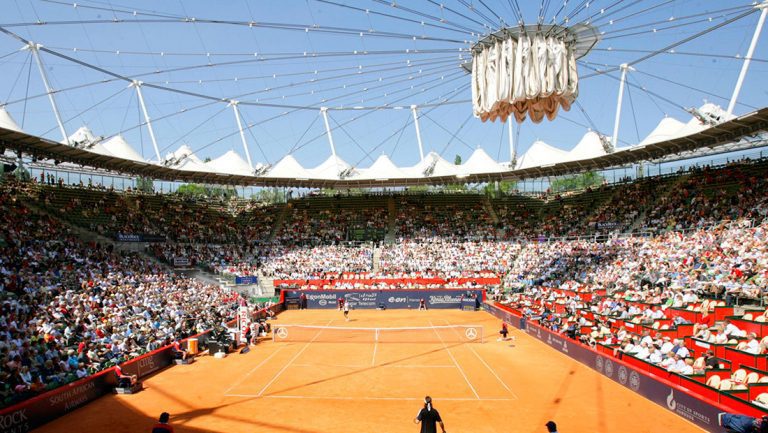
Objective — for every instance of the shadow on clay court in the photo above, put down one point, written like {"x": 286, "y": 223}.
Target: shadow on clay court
{"x": 373, "y": 367}
{"x": 184, "y": 417}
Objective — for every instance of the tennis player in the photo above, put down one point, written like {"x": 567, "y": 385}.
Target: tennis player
{"x": 346, "y": 311}
{"x": 429, "y": 417}
{"x": 504, "y": 332}
{"x": 422, "y": 304}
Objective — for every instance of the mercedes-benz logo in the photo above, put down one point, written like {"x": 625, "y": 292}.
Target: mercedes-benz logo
{"x": 599, "y": 363}
{"x": 634, "y": 381}
{"x": 623, "y": 375}
{"x": 471, "y": 333}
{"x": 608, "y": 368}
{"x": 281, "y": 332}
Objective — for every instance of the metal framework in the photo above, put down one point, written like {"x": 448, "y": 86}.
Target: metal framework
{"x": 732, "y": 131}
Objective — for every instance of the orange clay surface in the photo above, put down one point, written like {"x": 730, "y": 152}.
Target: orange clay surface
{"x": 513, "y": 386}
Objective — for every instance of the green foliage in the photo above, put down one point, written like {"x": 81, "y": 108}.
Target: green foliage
{"x": 457, "y": 160}
{"x": 577, "y": 182}
{"x": 270, "y": 195}
{"x": 498, "y": 189}
{"x": 145, "y": 184}
{"x": 204, "y": 191}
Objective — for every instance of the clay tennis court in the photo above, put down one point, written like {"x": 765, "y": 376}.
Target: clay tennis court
{"x": 322, "y": 386}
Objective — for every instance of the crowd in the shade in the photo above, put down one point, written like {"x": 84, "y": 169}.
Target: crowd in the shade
{"x": 71, "y": 308}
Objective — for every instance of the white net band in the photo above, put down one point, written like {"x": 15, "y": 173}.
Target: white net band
{"x": 332, "y": 334}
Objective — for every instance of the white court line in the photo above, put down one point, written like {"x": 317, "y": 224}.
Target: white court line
{"x": 455, "y": 362}
{"x": 285, "y": 367}
{"x": 309, "y": 397}
{"x": 366, "y": 366}
{"x": 254, "y": 369}
{"x": 493, "y": 372}
{"x": 375, "y": 346}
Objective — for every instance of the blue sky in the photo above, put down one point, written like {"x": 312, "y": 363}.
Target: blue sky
{"x": 267, "y": 62}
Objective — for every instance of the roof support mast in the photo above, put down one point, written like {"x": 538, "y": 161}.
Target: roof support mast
{"x": 234, "y": 103}
{"x": 745, "y": 67}
{"x": 624, "y": 68}
{"x": 418, "y": 132}
{"x": 512, "y": 151}
{"x": 137, "y": 84}
{"x": 35, "y": 49}
{"x": 324, "y": 112}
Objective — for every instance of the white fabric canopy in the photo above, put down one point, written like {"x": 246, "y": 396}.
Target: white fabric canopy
{"x": 329, "y": 169}
{"x": 480, "y": 162}
{"x": 382, "y": 168}
{"x": 289, "y": 168}
{"x": 231, "y": 163}
{"x": 432, "y": 165}
{"x": 7, "y": 122}
{"x": 539, "y": 154}
{"x": 667, "y": 128}
{"x": 590, "y": 146}
{"x": 118, "y": 147}
{"x": 184, "y": 152}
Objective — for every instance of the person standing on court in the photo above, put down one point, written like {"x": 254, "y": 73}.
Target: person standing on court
{"x": 429, "y": 417}
{"x": 162, "y": 426}
{"x": 346, "y": 311}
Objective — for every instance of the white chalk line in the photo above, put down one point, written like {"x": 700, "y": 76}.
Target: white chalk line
{"x": 309, "y": 397}
{"x": 253, "y": 369}
{"x": 285, "y": 367}
{"x": 455, "y": 362}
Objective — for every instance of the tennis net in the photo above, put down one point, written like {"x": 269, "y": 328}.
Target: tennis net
{"x": 338, "y": 334}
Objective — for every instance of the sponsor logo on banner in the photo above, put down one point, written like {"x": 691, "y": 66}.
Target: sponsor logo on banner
{"x": 244, "y": 321}
{"x": 685, "y": 411}
{"x": 180, "y": 261}
{"x": 362, "y": 299}
{"x": 634, "y": 381}
{"x": 623, "y": 375}
{"x": 73, "y": 397}
{"x": 608, "y": 368}
{"x": 444, "y": 299}
{"x": 15, "y": 421}
{"x": 671, "y": 403}
{"x": 147, "y": 365}
{"x": 322, "y": 302}
{"x": 599, "y": 363}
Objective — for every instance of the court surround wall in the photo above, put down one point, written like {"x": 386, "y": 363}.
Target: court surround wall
{"x": 34, "y": 412}
{"x": 683, "y": 402}
{"x": 435, "y": 298}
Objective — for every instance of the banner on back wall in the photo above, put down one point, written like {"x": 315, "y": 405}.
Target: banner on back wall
{"x": 180, "y": 262}
{"x": 386, "y": 298}
{"x": 138, "y": 237}
{"x": 250, "y": 279}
